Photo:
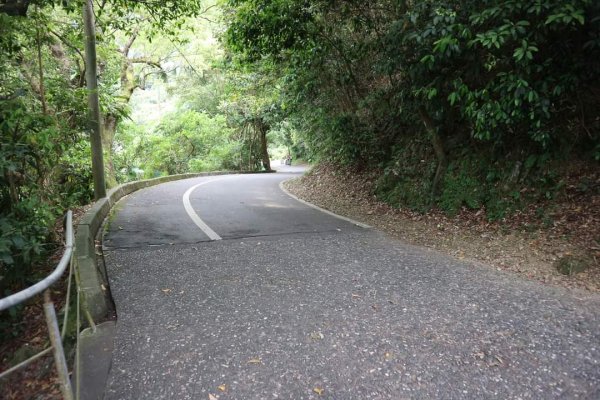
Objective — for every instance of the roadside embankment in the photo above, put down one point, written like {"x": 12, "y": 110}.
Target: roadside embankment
{"x": 519, "y": 244}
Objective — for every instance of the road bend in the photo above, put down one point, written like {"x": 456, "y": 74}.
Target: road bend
{"x": 227, "y": 288}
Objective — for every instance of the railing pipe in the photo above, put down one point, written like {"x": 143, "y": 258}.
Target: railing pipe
{"x": 45, "y": 283}
{"x": 59, "y": 352}
{"x": 50, "y": 313}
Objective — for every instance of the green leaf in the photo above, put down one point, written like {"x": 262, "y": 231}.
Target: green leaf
{"x": 518, "y": 54}
{"x": 453, "y": 98}
{"x": 553, "y": 18}
{"x": 428, "y": 59}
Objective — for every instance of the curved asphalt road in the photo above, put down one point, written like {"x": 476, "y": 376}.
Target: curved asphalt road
{"x": 293, "y": 303}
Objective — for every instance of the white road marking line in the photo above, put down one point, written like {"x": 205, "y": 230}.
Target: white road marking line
{"x": 322, "y": 209}
{"x": 190, "y": 210}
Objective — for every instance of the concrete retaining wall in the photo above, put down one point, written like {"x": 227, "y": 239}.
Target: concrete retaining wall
{"x": 91, "y": 275}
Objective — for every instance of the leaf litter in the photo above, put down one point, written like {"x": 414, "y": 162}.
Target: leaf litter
{"x": 522, "y": 244}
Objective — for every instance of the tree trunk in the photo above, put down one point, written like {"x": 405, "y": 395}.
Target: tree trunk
{"x": 13, "y": 192}
{"x": 108, "y": 136}
{"x": 95, "y": 118}
{"x": 128, "y": 86}
{"x": 440, "y": 153}
{"x": 41, "y": 71}
{"x": 262, "y": 130}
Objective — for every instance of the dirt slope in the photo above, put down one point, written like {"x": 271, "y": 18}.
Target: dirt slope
{"x": 520, "y": 244}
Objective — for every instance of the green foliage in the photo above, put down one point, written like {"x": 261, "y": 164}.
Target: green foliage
{"x": 275, "y": 27}
{"x": 406, "y": 180}
{"x": 75, "y": 176}
{"x": 187, "y": 141}
{"x": 488, "y": 86}
{"x": 44, "y": 151}
{"x": 23, "y": 238}
{"x": 461, "y": 187}
{"x": 220, "y": 116}
{"x": 126, "y": 13}
{"x": 410, "y": 192}
{"x": 42, "y": 171}
{"x": 505, "y": 67}
{"x": 222, "y": 157}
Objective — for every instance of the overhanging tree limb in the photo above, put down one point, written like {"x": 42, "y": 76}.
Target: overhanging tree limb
{"x": 145, "y": 61}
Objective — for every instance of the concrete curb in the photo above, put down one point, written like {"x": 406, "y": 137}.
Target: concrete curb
{"x": 316, "y": 207}
{"x": 92, "y": 279}
{"x": 96, "y": 348}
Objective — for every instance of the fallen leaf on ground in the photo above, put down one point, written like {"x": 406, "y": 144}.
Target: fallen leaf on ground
{"x": 222, "y": 388}
{"x": 318, "y": 390}
{"x": 501, "y": 244}
{"x": 166, "y": 290}
{"x": 212, "y": 397}
{"x": 254, "y": 361}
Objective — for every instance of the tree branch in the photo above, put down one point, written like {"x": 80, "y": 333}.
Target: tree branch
{"x": 141, "y": 60}
{"x": 72, "y": 47}
{"x": 125, "y": 49}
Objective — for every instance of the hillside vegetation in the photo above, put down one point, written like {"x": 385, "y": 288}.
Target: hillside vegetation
{"x": 460, "y": 103}
{"x": 490, "y": 106}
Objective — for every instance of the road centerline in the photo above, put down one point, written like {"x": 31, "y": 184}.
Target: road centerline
{"x": 194, "y": 216}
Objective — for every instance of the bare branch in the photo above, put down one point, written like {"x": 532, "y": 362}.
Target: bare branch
{"x": 125, "y": 49}
{"x": 69, "y": 45}
{"x": 145, "y": 61}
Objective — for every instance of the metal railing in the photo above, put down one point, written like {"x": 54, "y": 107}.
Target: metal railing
{"x": 56, "y": 335}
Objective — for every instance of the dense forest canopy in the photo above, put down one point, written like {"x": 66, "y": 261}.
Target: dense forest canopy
{"x": 483, "y": 105}
{"x": 476, "y": 103}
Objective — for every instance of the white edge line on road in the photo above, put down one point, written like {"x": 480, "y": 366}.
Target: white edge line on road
{"x": 321, "y": 209}
{"x": 197, "y": 220}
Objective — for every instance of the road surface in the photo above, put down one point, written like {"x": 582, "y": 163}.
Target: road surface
{"x": 227, "y": 288}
